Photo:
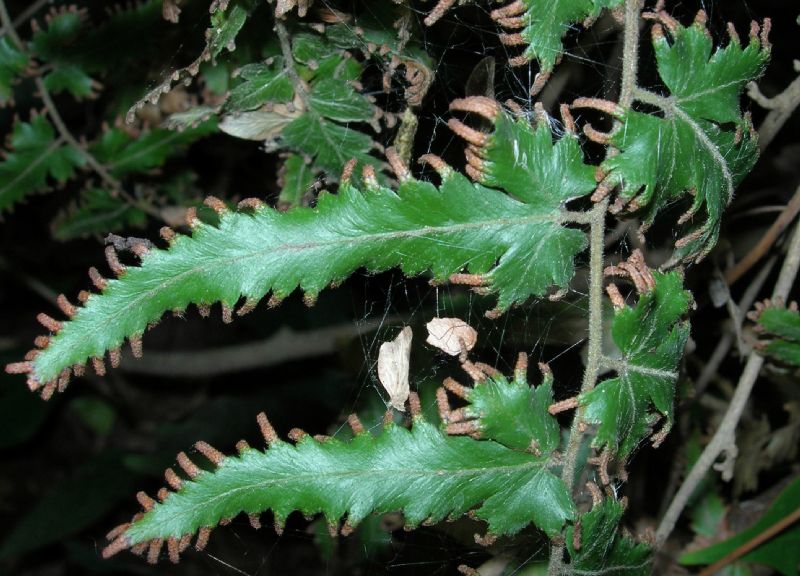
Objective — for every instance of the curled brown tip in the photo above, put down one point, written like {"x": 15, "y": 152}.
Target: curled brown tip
{"x": 469, "y": 134}
{"x": 113, "y": 261}
{"x": 117, "y": 546}
{"x": 215, "y": 204}
{"x": 187, "y": 465}
{"x": 267, "y": 431}
{"x": 481, "y": 105}
{"x": 48, "y": 322}
{"x": 97, "y": 279}
{"x": 250, "y": 204}
{"x": 173, "y": 479}
{"x": 214, "y": 456}
{"x": 355, "y": 424}
{"x": 66, "y": 306}
{"x": 436, "y": 163}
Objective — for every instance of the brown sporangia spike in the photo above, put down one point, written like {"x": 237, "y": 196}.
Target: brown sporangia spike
{"x": 227, "y": 313}
{"x": 521, "y": 367}
{"x": 443, "y": 404}
{"x": 468, "y": 279}
{"x": 487, "y": 369}
{"x": 146, "y": 502}
{"x": 274, "y": 301}
{"x": 136, "y": 345}
{"x": 140, "y": 548}
{"x": 202, "y": 538}
{"x": 41, "y": 341}
{"x": 468, "y": 570}
{"x": 99, "y": 366}
{"x": 117, "y": 531}
{"x": 189, "y": 467}
{"x": 33, "y": 384}
{"x": 347, "y": 171}
{"x": 438, "y": 11}
{"x": 355, "y": 424}
{"x": 167, "y": 234}
{"x": 184, "y": 543}
{"x": 48, "y": 390}
{"x": 601, "y": 462}
{"x": 173, "y": 550}
{"x": 481, "y": 105}
{"x": 436, "y": 163}
{"x": 173, "y": 479}
{"x": 66, "y": 306}
{"x": 113, "y": 261}
{"x": 215, "y": 204}
{"x": 474, "y": 372}
{"x": 162, "y": 494}
{"x": 597, "y": 136}
{"x": 63, "y": 379}
{"x": 388, "y": 418}
{"x": 296, "y": 434}
{"x": 278, "y": 526}
{"x": 224, "y": 521}
{"x": 515, "y": 39}
{"x": 117, "y": 546}
{"x": 309, "y": 299}
{"x": 576, "y": 536}
{"x": 191, "y": 218}
{"x": 347, "y": 528}
{"x": 515, "y": 8}
{"x": 462, "y": 428}
{"x": 459, "y": 415}
{"x": 114, "y": 357}
{"x": 214, "y": 456}
{"x": 469, "y": 134}
{"x": 83, "y": 296}
{"x": 98, "y": 280}
{"x": 456, "y": 388}
{"x": 486, "y": 540}
{"x": 414, "y": 405}
{"x": 241, "y": 446}
{"x": 19, "y": 368}
{"x": 255, "y": 521}
{"x": 250, "y": 204}
{"x": 48, "y": 322}
{"x": 31, "y": 355}
{"x": 248, "y": 306}
{"x": 398, "y": 167}
{"x": 617, "y": 300}
{"x": 369, "y": 178}
{"x": 563, "y": 405}
{"x": 267, "y": 431}
{"x": 204, "y": 310}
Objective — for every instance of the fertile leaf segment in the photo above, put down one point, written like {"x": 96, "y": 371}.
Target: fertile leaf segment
{"x": 423, "y": 472}
{"x": 459, "y": 226}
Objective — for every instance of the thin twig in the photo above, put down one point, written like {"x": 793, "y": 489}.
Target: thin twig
{"x": 781, "y": 107}
{"x": 595, "y": 348}
{"x": 767, "y": 240}
{"x": 724, "y": 438}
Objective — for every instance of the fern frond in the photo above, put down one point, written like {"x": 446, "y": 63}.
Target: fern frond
{"x": 422, "y": 472}
{"x": 781, "y": 327}
{"x": 13, "y": 62}
{"x": 514, "y": 249}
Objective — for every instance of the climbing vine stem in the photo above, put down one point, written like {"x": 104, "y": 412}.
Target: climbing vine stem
{"x": 597, "y": 218}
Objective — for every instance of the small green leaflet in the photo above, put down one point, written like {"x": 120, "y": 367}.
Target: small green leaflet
{"x": 546, "y": 22}
{"x": 783, "y": 325}
{"x": 261, "y": 84}
{"x": 296, "y": 178}
{"x": 515, "y": 414}
{"x": 35, "y": 156}
{"x": 12, "y": 64}
{"x": 702, "y": 145}
{"x": 422, "y": 472}
{"x": 651, "y": 338}
{"x": 97, "y": 213}
{"x": 603, "y": 550}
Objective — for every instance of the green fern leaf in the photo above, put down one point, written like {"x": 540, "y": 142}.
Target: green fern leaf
{"x": 512, "y": 413}
{"x": 261, "y": 84}
{"x": 543, "y": 24}
{"x": 651, "y": 338}
{"x": 97, "y": 213}
{"x": 783, "y": 325}
{"x": 598, "y": 548}
{"x": 702, "y": 145}
{"x": 517, "y": 250}
{"x": 122, "y": 153}
{"x": 296, "y": 179}
{"x": 36, "y": 155}
{"x": 12, "y": 64}
{"x": 422, "y": 472}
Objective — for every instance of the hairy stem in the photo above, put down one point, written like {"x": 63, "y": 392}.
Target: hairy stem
{"x": 595, "y": 348}
{"x": 288, "y": 62}
{"x": 630, "y": 52}
{"x": 724, "y": 439}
